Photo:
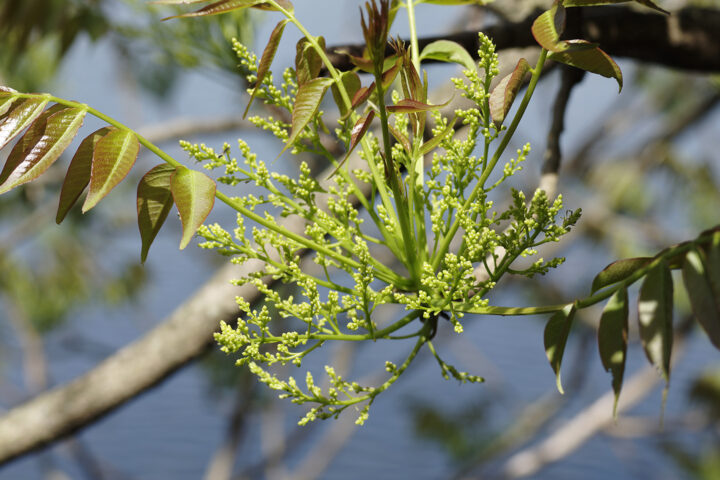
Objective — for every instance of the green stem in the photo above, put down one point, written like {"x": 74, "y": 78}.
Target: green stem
{"x": 413, "y": 34}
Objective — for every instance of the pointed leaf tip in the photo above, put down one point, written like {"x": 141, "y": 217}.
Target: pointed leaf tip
{"x": 612, "y": 339}
{"x": 448, "y": 51}
{"x": 306, "y": 105}
{"x": 194, "y": 195}
{"x": 655, "y": 311}
{"x": 618, "y": 271}
{"x": 266, "y": 59}
{"x": 113, "y": 158}
{"x": 556, "y": 335}
{"x": 593, "y": 60}
{"x": 705, "y": 303}
{"x": 503, "y": 96}
{"x": 154, "y": 201}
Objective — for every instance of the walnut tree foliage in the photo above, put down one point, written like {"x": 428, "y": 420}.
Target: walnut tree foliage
{"x": 414, "y": 227}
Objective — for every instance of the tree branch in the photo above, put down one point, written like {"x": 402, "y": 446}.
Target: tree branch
{"x": 687, "y": 39}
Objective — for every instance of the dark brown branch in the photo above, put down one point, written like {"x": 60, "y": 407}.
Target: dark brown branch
{"x": 687, "y": 39}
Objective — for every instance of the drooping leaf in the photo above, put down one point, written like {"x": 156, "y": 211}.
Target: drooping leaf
{"x": 705, "y": 304}
{"x": 612, "y": 339}
{"x": 266, "y": 59}
{"x": 503, "y": 96}
{"x": 548, "y": 27}
{"x": 307, "y": 61}
{"x": 430, "y": 145}
{"x": 19, "y": 117}
{"x": 362, "y": 95}
{"x": 448, "y": 51}
{"x": 556, "y": 335}
{"x": 215, "y": 8}
{"x": 59, "y": 130}
{"x": 114, "y": 156}
{"x": 154, "y": 201}
{"x": 618, "y": 271}
{"x": 78, "y": 174}
{"x": 412, "y": 106}
{"x": 655, "y": 309}
{"x": 402, "y": 139}
{"x": 593, "y": 60}
{"x": 27, "y": 141}
{"x": 589, "y": 3}
{"x": 306, "y": 105}
{"x": 357, "y": 133}
{"x": 194, "y": 195}
{"x": 351, "y": 83}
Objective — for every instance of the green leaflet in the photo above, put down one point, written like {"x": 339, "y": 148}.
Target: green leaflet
{"x": 556, "y": 335}
{"x": 655, "y": 309}
{"x": 154, "y": 201}
{"x": 194, "y": 195}
{"x": 57, "y": 131}
{"x": 503, "y": 96}
{"x": 266, "y": 59}
{"x": 306, "y": 105}
{"x": 618, "y": 271}
{"x": 703, "y": 298}
{"x": 612, "y": 339}
{"x": 448, "y": 51}
{"x": 592, "y": 60}
{"x": 547, "y": 28}
{"x": 215, "y": 8}
{"x": 307, "y": 60}
{"x": 114, "y": 156}
{"x": 19, "y": 117}
{"x": 412, "y": 106}
{"x": 351, "y": 83}
{"x": 78, "y": 173}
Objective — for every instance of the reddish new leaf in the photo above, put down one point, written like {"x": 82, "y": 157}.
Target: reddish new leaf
{"x": 618, "y": 271}
{"x": 362, "y": 95}
{"x": 402, "y": 139}
{"x": 351, "y": 84}
{"x": 60, "y": 128}
{"x": 548, "y": 27}
{"x": 592, "y": 60}
{"x": 266, "y": 59}
{"x": 78, "y": 174}
{"x": 307, "y": 60}
{"x": 503, "y": 96}
{"x": 413, "y": 106}
{"x": 285, "y": 4}
{"x": 6, "y": 101}
{"x": 306, "y": 105}
{"x": 114, "y": 156}
{"x": 357, "y": 133}
{"x": 655, "y": 309}
{"x": 221, "y": 6}
{"x": 705, "y": 304}
{"x": 194, "y": 195}
{"x": 612, "y": 339}
{"x": 154, "y": 201}
{"x": 556, "y": 335}
{"x": 19, "y": 117}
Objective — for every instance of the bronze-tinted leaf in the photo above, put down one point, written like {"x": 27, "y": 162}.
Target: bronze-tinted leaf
{"x": 266, "y": 59}
{"x": 612, "y": 339}
{"x": 448, "y": 51}
{"x": 6, "y": 101}
{"x": 306, "y": 105}
{"x": 655, "y": 310}
{"x": 307, "y": 61}
{"x": 412, "y": 106}
{"x": 19, "y": 117}
{"x": 351, "y": 83}
{"x": 221, "y": 6}
{"x": 194, "y": 196}
{"x": 402, "y": 139}
{"x": 556, "y": 335}
{"x": 592, "y": 60}
{"x": 705, "y": 304}
{"x": 388, "y": 77}
{"x": 362, "y": 95}
{"x": 78, "y": 174}
{"x": 58, "y": 131}
{"x": 548, "y": 27}
{"x": 285, "y": 4}
{"x": 357, "y": 133}
{"x": 503, "y": 96}
{"x": 114, "y": 156}
{"x": 618, "y": 271}
{"x": 154, "y": 201}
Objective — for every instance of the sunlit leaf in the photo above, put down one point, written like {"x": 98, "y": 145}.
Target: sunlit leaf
{"x": 548, "y": 27}
{"x": 655, "y": 309}
{"x": 351, "y": 83}
{"x": 215, "y": 8}
{"x": 58, "y": 131}
{"x": 306, "y": 105}
{"x": 357, "y": 133}
{"x": 503, "y": 96}
{"x": 307, "y": 61}
{"x": 266, "y": 59}
{"x": 20, "y": 117}
{"x": 592, "y": 60}
{"x": 448, "y": 51}
{"x": 412, "y": 106}
{"x": 285, "y": 4}
{"x": 78, "y": 174}
{"x": 705, "y": 304}
{"x": 556, "y": 335}
{"x": 6, "y": 101}
{"x": 114, "y": 156}
{"x": 430, "y": 145}
{"x": 194, "y": 195}
{"x": 154, "y": 201}
{"x": 589, "y": 3}
{"x": 618, "y": 271}
{"x": 612, "y": 339}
